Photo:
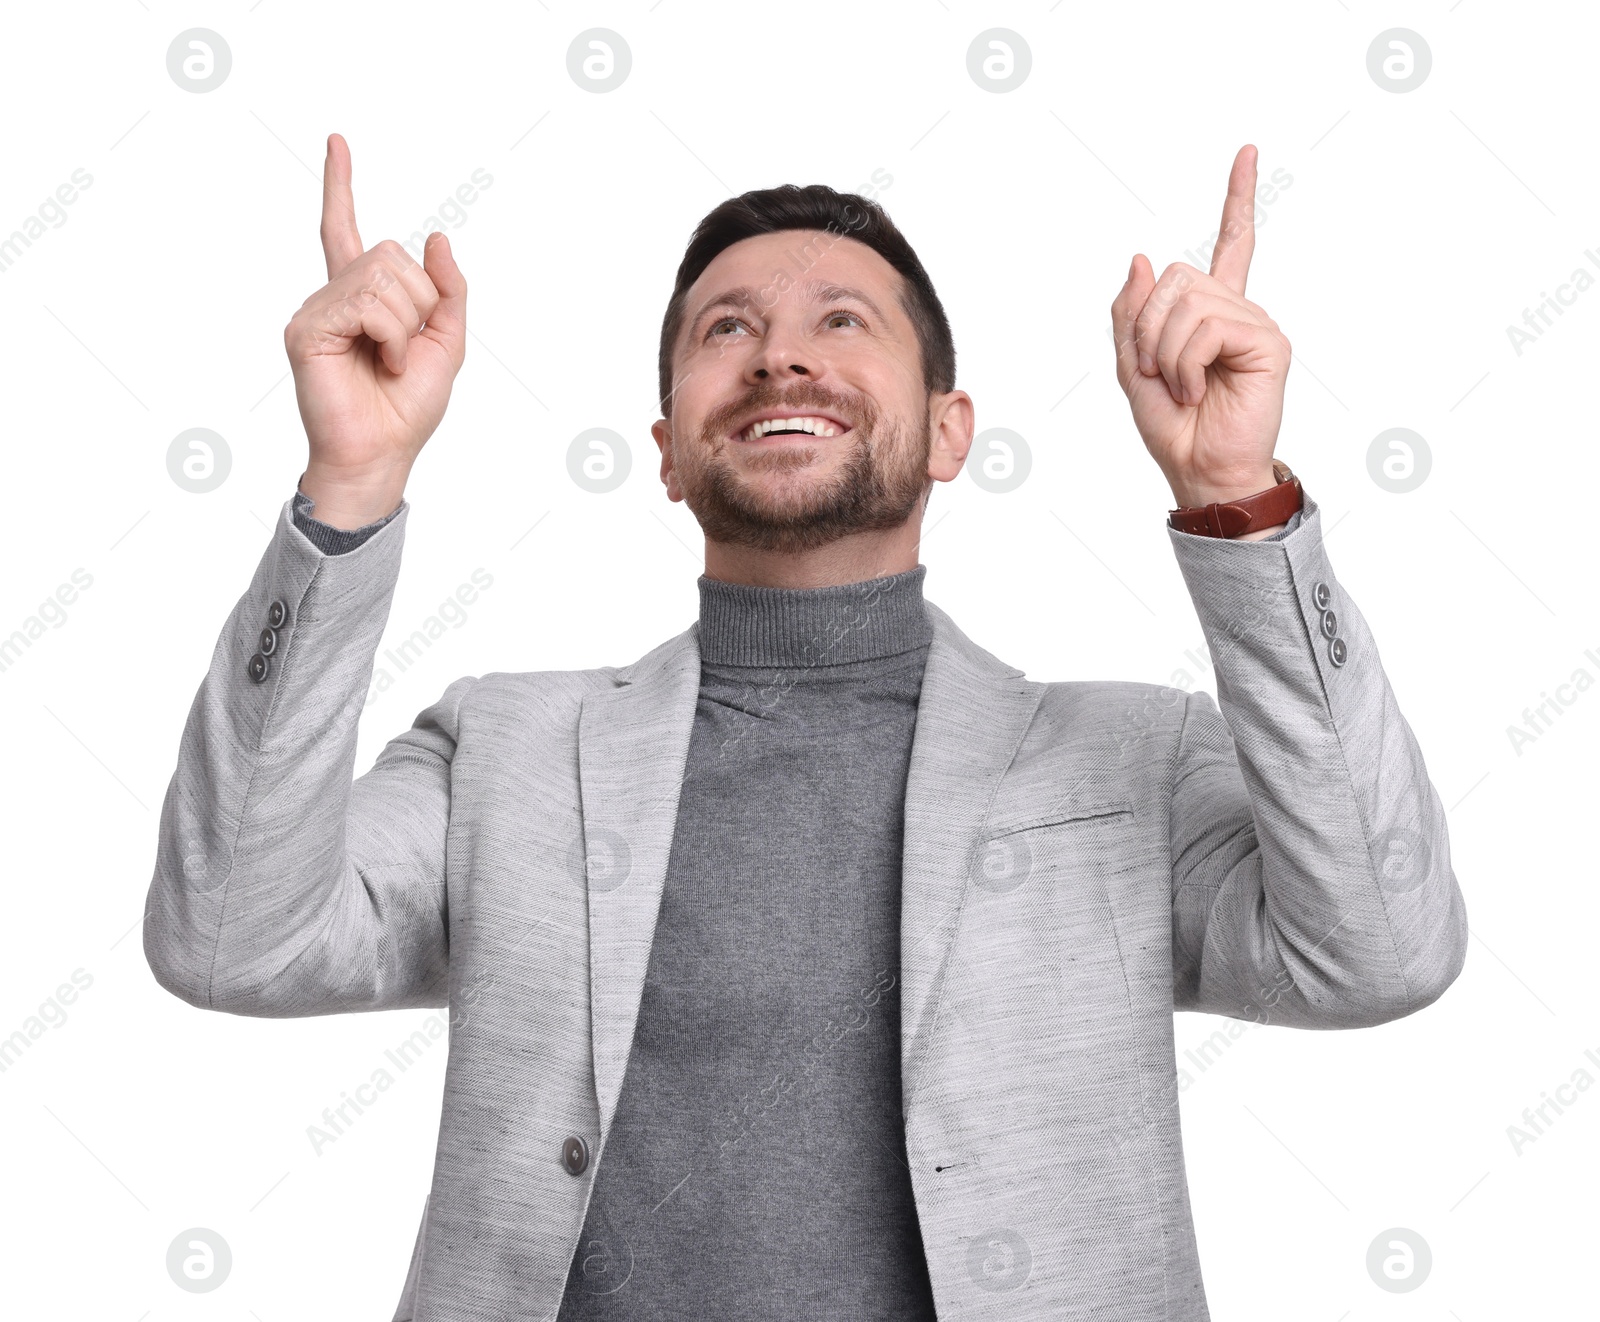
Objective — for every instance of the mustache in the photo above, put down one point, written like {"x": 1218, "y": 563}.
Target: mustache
{"x": 858, "y": 411}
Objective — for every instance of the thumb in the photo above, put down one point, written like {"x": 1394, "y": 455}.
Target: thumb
{"x": 1130, "y": 301}
{"x": 448, "y": 323}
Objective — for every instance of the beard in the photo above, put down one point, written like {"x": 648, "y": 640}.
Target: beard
{"x": 876, "y": 486}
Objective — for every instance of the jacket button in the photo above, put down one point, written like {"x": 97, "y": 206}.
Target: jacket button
{"x": 1336, "y": 651}
{"x": 1322, "y": 594}
{"x": 258, "y": 667}
{"x": 575, "y": 1155}
{"x": 269, "y": 642}
{"x": 277, "y": 614}
{"x": 1330, "y": 625}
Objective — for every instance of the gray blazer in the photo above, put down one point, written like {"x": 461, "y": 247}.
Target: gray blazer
{"x": 1081, "y": 859}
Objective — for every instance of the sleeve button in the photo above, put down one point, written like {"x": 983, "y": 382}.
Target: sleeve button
{"x": 1337, "y": 651}
{"x": 277, "y": 614}
{"x": 258, "y": 667}
{"x": 268, "y": 643}
{"x": 1330, "y": 624}
{"x": 1322, "y": 594}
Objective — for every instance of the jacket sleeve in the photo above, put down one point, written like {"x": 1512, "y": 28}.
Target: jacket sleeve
{"x": 281, "y": 887}
{"x": 1311, "y": 875}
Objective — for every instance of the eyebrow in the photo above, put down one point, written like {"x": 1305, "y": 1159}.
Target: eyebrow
{"x": 819, "y": 291}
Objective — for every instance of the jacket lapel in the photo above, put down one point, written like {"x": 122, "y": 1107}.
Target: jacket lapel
{"x": 971, "y": 717}
{"x": 633, "y": 744}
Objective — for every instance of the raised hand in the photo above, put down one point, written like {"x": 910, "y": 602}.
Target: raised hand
{"x": 374, "y": 354}
{"x": 1203, "y": 367}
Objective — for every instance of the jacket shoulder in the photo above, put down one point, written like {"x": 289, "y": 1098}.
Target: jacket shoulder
{"x": 1111, "y": 697}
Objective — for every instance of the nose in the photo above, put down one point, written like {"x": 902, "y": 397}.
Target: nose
{"x": 782, "y": 354}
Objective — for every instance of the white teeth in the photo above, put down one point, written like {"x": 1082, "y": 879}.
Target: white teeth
{"x": 817, "y": 426}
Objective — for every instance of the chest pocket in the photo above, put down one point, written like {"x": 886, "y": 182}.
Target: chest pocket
{"x": 1013, "y": 848}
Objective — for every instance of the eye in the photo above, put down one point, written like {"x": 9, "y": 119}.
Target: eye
{"x": 726, "y": 321}
{"x": 840, "y": 312}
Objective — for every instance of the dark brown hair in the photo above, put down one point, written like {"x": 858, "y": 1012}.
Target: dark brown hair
{"x": 813, "y": 207}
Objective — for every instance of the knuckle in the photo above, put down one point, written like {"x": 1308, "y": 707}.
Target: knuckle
{"x": 342, "y": 313}
{"x": 340, "y": 317}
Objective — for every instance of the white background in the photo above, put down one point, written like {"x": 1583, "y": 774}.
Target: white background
{"x": 1416, "y": 229}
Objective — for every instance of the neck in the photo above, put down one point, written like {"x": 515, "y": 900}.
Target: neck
{"x": 854, "y": 559}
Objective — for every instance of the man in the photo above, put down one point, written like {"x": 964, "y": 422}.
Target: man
{"x": 818, "y": 964}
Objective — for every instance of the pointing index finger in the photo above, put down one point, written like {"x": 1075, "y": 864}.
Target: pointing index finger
{"x": 1236, "y": 241}
{"x": 341, "y": 242}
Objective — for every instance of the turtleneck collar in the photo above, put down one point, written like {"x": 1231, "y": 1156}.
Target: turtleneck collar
{"x": 742, "y": 625}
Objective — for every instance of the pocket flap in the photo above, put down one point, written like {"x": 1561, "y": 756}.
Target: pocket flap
{"x": 1067, "y": 812}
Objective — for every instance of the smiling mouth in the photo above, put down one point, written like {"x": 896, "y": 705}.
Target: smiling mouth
{"x": 805, "y": 426}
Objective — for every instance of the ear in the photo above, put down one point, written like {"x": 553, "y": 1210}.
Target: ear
{"x": 661, "y": 429}
{"x": 950, "y": 418}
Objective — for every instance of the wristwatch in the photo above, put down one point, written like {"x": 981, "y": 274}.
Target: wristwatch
{"x": 1265, "y": 509}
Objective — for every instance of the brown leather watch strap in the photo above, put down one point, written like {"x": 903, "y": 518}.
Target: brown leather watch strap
{"x": 1265, "y": 509}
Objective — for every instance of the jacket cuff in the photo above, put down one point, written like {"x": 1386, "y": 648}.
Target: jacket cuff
{"x": 336, "y": 541}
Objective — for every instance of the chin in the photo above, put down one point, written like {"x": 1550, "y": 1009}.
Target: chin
{"x": 774, "y": 511}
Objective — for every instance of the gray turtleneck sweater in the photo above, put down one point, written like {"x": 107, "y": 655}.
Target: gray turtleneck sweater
{"x": 756, "y": 1164}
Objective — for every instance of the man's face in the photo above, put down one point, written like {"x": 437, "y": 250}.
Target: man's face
{"x": 797, "y": 324}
